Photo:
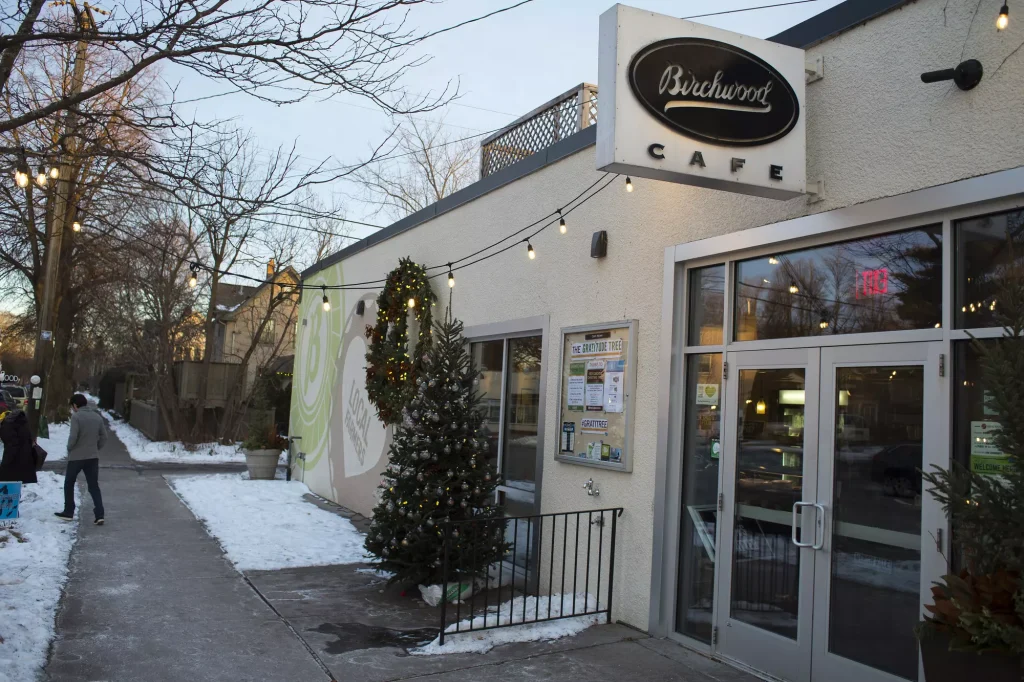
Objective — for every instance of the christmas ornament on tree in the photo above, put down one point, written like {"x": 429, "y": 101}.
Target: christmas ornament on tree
{"x": 439, "y": 456}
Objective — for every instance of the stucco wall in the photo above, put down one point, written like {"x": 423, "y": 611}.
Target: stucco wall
{"x": 873, "y": 130}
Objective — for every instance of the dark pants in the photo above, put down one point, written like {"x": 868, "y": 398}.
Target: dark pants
{"x": 91, "y": 467}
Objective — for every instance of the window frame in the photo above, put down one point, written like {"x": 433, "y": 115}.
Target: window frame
{"x": 504, "y": 331}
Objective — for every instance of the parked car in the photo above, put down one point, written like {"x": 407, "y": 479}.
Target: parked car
{"x": 896, "y": 468}
{"x": 6, "y": 402}
{"x": 19, "y": 395}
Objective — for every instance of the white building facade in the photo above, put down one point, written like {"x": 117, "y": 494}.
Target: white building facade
{"x": 796, "y": 362}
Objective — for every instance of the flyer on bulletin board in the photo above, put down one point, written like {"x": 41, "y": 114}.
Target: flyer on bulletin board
{"x": 595, "y": 394}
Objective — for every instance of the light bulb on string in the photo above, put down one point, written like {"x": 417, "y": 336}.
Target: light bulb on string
{"x": 561, "y": 222}
{"x": 54, "y": 173}
{"x": 76, "y": 226}
{"x": 412, "y": 302}
{"x": 327, "y": 304}
{"x": 41, "y": 177}
{"x": 1003, "y": 20}
{"x": 793, "y": 288}
{"x": 193, "y": 278}
{"x": 530, "y": 253}
{"x": 629, "y": 184}
{"x": 451, "y": 277}
{"x": 21, "y": 179}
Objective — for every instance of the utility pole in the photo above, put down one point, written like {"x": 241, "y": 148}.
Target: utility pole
{"x": 60, "y": 216}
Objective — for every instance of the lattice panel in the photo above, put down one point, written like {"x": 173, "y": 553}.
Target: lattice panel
{"x": 539, "y": 132}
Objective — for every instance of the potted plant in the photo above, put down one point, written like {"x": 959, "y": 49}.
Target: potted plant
{"x": 974, "y": 628}
{"x": 262, "y": 448}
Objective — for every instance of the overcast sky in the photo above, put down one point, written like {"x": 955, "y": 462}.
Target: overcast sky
{"x": 504, "y": 66}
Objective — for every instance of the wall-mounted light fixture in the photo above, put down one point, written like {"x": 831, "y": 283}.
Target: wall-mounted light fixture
{"x": 966, "y": 75}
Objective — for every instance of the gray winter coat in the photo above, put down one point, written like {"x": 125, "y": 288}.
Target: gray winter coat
{"x": 88, "y": 434}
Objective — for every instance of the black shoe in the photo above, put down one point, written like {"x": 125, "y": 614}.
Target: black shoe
{"x": 98, "y": 522}
{"x": 64, "y": 516}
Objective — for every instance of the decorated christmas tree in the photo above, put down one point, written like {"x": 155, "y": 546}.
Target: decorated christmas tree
{"x": 438, "y": 472}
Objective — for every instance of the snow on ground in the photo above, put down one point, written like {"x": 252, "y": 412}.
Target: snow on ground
{"x": 33, "y": 570}
{"x": 142, "y": 449}
{"x": 56, "y": 445}
{"x": 266, "y": 525}
{"x": 512, "y": 612}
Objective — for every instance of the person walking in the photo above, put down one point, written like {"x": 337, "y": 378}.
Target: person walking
{"x": 18, "y": 462}
{"x": 88, "y": 436}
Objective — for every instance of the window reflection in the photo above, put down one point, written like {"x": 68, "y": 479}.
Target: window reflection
{"x": 707, "y": 305}
{"x": 487, "y": 358}
{"x": 884, "y": 283}
{"x": 876, "y": 521}
{"x": 987, "y": 247}
{"x": 702, "y": 451}
{"x": 769, "y": 480}
{"x": 519, "y": 468}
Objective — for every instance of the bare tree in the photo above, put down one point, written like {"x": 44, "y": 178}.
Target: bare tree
{"x": 277, "y": 50}
{"x": 429, "y": 165}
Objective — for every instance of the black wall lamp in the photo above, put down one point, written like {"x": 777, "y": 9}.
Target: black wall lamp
{"x": 966, "y": 75}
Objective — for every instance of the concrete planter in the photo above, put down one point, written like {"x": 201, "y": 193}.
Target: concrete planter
{"x": 262, "y": 464}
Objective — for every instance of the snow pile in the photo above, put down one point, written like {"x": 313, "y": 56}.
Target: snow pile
{"x": 512, "y": 612}
{"x": 33, "y": 570}
{"x": 56, "y": 445}
{"x": 266, "y": 525}
{"x": 142, "y": 449}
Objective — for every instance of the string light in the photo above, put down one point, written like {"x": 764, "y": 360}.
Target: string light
{"x": 451, "y": 277}
{"x": 327, "y": 304}
{"x": 21, "y": 179}
{"x": 793, "y": 289}
{"x": 772, "y": 260}
{"x": 629, "y": 184}
{"x": 193, "y": 278}
{"x": 41, "y": 177}
{"x": 76, "y": 226}
{"x": 412, "y": 302}
{"x": 1003, "y": 20}
{"x": 530, "y": 253}
{"x": 54, "y": 173}
{"x": 561, "y": 223}
{"x": 824, "y": 322}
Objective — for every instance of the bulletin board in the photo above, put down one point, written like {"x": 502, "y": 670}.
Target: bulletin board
{"x": 596, "y": 395}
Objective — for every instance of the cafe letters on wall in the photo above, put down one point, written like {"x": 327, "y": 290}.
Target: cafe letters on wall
{"x": 597, "y": 380}
{"x": 697, "y": 105}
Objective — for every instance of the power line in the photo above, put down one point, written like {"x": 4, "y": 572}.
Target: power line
{"x": 749, "y": 9}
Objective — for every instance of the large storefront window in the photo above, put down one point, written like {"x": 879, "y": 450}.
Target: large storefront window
{"x": 986, "y": 249}
{"x": 884, "y": 283}
{"x": 702, "y": 449}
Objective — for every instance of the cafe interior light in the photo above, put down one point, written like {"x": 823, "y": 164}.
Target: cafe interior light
{"x": 760, "y": 408}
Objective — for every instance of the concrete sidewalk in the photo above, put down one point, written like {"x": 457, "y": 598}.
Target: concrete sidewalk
{"x": 151, "y": 597}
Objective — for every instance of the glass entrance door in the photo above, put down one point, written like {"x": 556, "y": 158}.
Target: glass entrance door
{"x": 884, "y": 532}
{"x": 766, "y": 560}
{"x": 828, "y": 543}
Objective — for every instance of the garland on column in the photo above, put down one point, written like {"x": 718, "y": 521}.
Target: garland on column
{"x": 393, "y": 363}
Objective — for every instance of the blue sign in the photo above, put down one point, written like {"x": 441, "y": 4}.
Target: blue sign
{"x": 10, "y": 496}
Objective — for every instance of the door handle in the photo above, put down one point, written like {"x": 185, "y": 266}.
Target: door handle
{"x": 819, "y": 524}
{"x": 796, "y": 508}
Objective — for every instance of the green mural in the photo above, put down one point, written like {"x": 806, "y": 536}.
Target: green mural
{"x": 317, "y": 347}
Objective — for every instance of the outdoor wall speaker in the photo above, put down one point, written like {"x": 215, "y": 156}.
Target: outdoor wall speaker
{"x": 599, "y": 244}
{"x": 360, "y": 307}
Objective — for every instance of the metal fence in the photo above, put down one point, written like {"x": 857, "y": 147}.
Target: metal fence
{"x": 569, "y": 113}
{"x": 548, "y": 554}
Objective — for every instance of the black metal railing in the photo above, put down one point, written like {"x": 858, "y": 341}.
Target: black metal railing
{"x": 547, "y": 554}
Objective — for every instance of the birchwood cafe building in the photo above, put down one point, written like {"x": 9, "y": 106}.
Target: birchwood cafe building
{"x": 754, "y": 347}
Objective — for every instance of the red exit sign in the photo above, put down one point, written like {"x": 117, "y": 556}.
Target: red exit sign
{"x": 872, "y": 283}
